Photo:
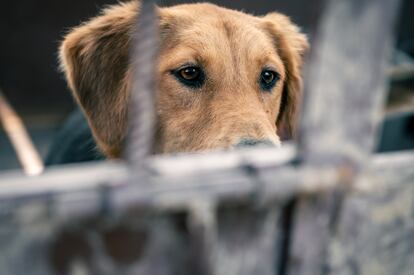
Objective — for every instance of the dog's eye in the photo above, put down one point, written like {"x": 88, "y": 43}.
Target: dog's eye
{"x": 190, "y": 73}
{"x": 191, "y": 76}
{"x": 268, "y": 80}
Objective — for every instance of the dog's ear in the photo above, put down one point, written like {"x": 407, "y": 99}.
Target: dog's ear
{"x": 291, "y": 45}
{"x": 95, "y": 60}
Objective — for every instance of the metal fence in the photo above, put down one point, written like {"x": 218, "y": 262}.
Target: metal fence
{"x": 325, "y": 206}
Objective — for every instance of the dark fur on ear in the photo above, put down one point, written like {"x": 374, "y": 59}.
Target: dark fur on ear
{"x": 95, "y": 60}
{"x": 291, "y": 45}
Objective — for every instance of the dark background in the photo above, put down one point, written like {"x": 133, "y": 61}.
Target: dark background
{"x": 31, "y": 31}
{"x": 30, "y": 34}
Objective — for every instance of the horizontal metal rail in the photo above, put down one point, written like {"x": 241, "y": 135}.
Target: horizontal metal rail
{"x": 89, "y": 185}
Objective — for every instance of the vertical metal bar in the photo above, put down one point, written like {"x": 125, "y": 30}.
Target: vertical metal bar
{"x": 346, "y": 81}
{"x": 346, "y": 88}
{"x": 203, "y": 231}
{"x": 144, "y": 52}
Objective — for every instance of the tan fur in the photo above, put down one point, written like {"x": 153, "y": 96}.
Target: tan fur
{"x": 231, "y": 46}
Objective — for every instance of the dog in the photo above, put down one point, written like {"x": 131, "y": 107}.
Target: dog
{"x": 225, "y": 79}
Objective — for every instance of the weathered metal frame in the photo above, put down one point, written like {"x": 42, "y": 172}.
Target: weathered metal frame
{"x": 304, "y": 219}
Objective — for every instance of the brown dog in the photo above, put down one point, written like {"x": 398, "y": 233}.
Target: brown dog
{"x": 226, "y": 78}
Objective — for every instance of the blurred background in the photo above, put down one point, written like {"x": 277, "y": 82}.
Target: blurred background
{"x": 29, "y": 76}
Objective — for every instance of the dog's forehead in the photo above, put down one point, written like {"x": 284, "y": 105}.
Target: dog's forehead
{"x": 208, "y": 28}
{"x": 202, "y": 9}
{"x": 208, "y": 18}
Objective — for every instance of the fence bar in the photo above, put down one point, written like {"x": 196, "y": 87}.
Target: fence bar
{"x": 69, "y": 208}
{"x": 142, "y": 109}
{"x": 346, "y": 81}
{"x": 346, "y": 88}
{"x": 179, "y": 191}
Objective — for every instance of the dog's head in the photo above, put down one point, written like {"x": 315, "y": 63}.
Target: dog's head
{"x": 225, "y": 78}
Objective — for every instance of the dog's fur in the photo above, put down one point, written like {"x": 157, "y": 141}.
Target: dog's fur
{"x": 232, "y": 47}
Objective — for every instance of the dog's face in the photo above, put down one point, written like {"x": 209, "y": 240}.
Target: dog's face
{"x": 225, "y": 78}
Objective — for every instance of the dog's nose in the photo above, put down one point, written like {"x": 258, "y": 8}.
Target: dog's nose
{"x": 247, "y": 142}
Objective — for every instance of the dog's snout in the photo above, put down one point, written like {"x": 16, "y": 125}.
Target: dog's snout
{"x": 247, "y": 142}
